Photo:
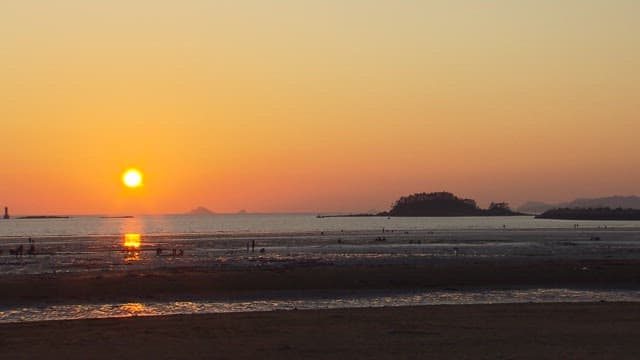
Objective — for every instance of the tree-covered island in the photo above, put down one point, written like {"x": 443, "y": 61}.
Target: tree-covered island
{"x": 444, "y": 204}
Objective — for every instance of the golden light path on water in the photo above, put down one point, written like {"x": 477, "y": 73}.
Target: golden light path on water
{"x": 132, "y": 241}
{"x": 133, "y": 230}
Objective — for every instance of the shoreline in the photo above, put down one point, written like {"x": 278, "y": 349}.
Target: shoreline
{"x": 515, "y": 330}
{"x": 524, "y": 331}
{"x": 173, "y": 284}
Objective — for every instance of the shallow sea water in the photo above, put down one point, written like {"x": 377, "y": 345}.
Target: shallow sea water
{"x": 94, "y": 244}
{"x": 360, "y": 300}
{"x": 274, "y": 223}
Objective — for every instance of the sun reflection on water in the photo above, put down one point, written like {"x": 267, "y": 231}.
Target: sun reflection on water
{"x": 132, "y": 256}
{"x": 132, "y": 241}
{"x": 133, "y": 308}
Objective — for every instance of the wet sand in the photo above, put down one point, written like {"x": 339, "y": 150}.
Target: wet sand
{"x": 527, "y": 331}
{"x": 507, "y": 331}
{"x": 201, "y": 283}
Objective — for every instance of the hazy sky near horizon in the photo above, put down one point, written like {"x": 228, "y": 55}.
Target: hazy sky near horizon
{"x": 328, "y": 105}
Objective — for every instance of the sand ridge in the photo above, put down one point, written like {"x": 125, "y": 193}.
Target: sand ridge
{"x": 199, "y": 283}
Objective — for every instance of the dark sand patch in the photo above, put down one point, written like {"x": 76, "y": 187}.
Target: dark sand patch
{"x": 522, "y": 331}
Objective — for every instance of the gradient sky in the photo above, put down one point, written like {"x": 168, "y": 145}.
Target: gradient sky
{"x": 291, "y": 105}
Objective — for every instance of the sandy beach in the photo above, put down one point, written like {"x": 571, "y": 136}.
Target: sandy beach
{"x": 523, "y": 331}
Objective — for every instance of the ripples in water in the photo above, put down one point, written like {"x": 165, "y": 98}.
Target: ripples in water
{"x": 115, "y": 310}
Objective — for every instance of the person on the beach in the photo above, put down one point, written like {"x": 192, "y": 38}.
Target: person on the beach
{"x": 253, "y": 245}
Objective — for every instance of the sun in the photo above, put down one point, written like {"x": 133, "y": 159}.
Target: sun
{"x": 132, "y": 178}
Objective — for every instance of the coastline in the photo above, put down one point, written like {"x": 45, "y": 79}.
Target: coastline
{"x": 311, "y": 265}
{"x": 516, "y": 330}
{"x": 523, "y": 331}
{"x": 171, "y": 284}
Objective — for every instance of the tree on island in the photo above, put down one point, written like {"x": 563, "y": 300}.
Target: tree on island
{"x": 444, "y": 204}
{"x": 499, "y": 209}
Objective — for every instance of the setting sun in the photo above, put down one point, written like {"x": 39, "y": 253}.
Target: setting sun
{"x": 132, "y": 178}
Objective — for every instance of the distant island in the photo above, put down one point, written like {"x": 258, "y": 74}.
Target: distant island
{"x": 439, "y": 204}
{"x": 201, "y": 210}
{"x": 614, "y": 202}
{"x": 444, "y": 204}
{"x": 42, "y": 217}
{"x": 602, "y": 213}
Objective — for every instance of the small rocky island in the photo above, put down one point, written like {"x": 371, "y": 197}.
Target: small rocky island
{"x": 201, "y": 210}
{"x": 602, "y": 213}
{"x": 444, "y": 204}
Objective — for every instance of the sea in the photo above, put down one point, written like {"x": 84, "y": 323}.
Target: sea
{"x": 77, "y": 226}
{"x": 94, "y": 244}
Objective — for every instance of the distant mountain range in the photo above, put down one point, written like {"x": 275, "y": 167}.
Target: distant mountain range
{"x": 625, "y": 202}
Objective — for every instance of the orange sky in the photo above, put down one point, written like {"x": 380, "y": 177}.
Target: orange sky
{"x": 286, "y": 106}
